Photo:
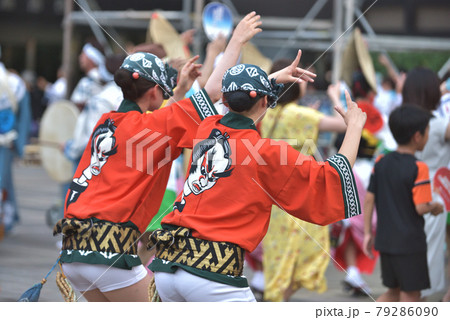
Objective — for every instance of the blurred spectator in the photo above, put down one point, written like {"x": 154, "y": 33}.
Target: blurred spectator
{"x": 108, "y": 99}
{"x": 37, "y": 101}
{"x": 15, "y": 120}
{"x": 54, "y": 91}
{"x": 348, "y": 253}
{"x": 295, "y": 262}
{"x": 92, "y": 63}
{"x": 444, "y": 106}
{"x": 422, "y": 88}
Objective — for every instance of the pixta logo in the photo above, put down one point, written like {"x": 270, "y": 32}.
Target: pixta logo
{"x": 148, "y": 151}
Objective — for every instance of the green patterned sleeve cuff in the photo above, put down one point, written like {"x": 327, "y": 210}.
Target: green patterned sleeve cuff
{"x": 349, "y": 190}
{"x": 203, "y": 104}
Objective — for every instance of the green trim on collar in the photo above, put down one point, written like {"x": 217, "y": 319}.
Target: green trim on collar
{"x": 128, "y": 105}
{"x": 237, "y": 121}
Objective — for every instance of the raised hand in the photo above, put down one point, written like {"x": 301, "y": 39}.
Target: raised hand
{"x": 293, "y": 73}
{"x": 355, "y": 119}
{"x": 217, "y": 46}
{"x": 187, "y": 76}
{"x": 244, "y": 31}
{"x": 247, "y": 28}
{"x": 333, "y": 92}
{"x": 187, "y": 37}
{"x": 354, "y": 115}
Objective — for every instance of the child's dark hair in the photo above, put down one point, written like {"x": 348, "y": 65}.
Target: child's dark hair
{"x": 406, "y": 120}
{"x": 291, "y": 90}
{"x": 240, "y": 101}
{"x": 132, "y": 89}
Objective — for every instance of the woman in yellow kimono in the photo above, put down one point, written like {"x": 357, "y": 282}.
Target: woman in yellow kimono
{"x": 296, "y": 253}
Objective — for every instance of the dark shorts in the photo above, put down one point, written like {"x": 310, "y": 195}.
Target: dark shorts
{"x": 409, "y": 272}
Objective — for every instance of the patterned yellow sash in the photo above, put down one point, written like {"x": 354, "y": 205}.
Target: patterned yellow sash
{"x": 180, "y": 247}
{"x": 95, "y": 235}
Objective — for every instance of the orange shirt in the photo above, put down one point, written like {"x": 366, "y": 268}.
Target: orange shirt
{"x": 125, "y": 167}
{"x": 235, "y": 176}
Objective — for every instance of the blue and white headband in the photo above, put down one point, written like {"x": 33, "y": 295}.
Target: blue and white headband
{"x": 249, "y": 77}
{"x": 94, "y": 54}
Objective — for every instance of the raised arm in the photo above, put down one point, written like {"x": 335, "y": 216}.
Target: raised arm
{"x": 333, "y": 123}
{"x": 245, "y": 30}
{"x": 355, "y": 119}
{"x": 213, "y": 49}
{"x": 384, "y": 61}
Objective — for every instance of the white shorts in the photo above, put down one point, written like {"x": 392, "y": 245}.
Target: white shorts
{"x": 86, "y": 277}
{"x": 183, "y": 286}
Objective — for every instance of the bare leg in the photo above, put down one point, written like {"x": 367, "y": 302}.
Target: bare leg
{"x": 353, "y": 277}
{"x": 350, "y": 253}
{"x": 409, "y": 296}
{"x": 392, "y": 295}
{"x": 94, "y": 296}
{"x": 288, "y": 293}
{"x": 290, "y": 290}
{"x": 137, "y": 292}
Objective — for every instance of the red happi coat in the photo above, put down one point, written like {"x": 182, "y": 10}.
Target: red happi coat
{"x": 125, "y": 167}
{"x": 236, "y": 176}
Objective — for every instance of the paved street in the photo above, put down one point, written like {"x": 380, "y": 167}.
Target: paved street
{"x": 30, "y": 251}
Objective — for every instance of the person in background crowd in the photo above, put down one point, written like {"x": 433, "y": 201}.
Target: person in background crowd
{"x": 348, "y": 253}
{"x": 15, "y": 122}
{"x": 92, "y": 64}
{"x": 422, "y": 89}
{"x": 107, "y": 100}
{"x": 401, "y": 191}
{"x": 54, "y": 91}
